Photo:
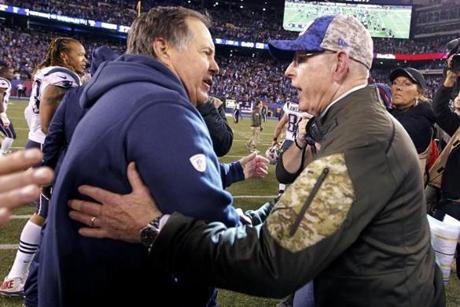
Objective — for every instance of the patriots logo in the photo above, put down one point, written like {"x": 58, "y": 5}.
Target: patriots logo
{"x": 198, "y": 162}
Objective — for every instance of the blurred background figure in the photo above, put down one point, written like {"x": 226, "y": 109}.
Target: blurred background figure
{"x": 449, "y": 121}
{"x": 413, "y": 110}
{"x": 60, "y": 70}
{"x": 213, "y": 113}
{"x": 256, "y": 127}
{"x": 6, "y": 126}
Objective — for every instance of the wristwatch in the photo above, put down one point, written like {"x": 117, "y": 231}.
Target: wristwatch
{"x": 150, "y": 232}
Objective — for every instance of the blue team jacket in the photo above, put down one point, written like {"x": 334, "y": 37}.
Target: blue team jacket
{"x": 139, "y": 111}
{"x": 62, "y": 127}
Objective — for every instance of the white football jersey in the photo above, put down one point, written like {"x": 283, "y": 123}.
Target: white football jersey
{"x": 6, "y": 85}
{"x": 53, "y": 75}
{"x": 294, "y": 116}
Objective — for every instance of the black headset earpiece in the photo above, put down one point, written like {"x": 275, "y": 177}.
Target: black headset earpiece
{"x": 313, "y": 132}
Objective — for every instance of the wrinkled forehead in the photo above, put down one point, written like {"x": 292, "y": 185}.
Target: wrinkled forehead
{"x": 200, "y": 33}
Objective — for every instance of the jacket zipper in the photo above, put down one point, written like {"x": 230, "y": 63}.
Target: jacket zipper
{"x": 308, "y": 201}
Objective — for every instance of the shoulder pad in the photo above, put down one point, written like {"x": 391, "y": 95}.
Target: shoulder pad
{"x": 5, "y": 84}
{"x": 60, "y": 76}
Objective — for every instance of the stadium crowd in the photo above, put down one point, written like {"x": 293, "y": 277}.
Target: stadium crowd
{"x": 24, "y": 49}
{"x": 253, "y": 23}
{"x": 155, "y": 74}
{"x": 242, "y": 78}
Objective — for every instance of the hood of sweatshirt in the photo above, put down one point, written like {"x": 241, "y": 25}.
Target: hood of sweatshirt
{"x": 125, "y": 69}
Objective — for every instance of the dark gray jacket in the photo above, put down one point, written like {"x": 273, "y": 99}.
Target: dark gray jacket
{"x": 449, "y": 122}
{"x": 219, "y": 129}
{"x": 354, "y": 221}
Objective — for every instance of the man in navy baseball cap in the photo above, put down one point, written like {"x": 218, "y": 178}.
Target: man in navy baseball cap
{"x": 340, "y": 41}
{"x": 329, "y": 33}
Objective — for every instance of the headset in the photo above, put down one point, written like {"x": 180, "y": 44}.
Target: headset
{"x": 313, "y": 133}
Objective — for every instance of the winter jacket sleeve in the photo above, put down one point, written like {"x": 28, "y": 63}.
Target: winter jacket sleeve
{"x": 220, "y": 131}
{"x": 446, "y": 118}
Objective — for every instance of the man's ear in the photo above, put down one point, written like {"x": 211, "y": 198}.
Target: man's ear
{"x": 342, "y": 66}
{"x": 161, "y": 50}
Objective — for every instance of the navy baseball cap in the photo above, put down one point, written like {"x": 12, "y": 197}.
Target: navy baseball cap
{"x": 411, "y": 73}
{"x": 333, "y": 33}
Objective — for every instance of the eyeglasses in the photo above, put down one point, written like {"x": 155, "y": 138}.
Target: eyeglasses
{"x": 302, "y": 57}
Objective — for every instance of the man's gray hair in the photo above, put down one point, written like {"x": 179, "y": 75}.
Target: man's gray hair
{"x": 166, "y": 22}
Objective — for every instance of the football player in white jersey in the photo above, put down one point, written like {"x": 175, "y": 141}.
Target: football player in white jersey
{"x": 64, "y": 63}
{"x": 6, "y": 126}
{"x": 290, "y": 119}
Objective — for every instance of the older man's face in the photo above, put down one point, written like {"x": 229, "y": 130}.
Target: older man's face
{"x": 195, "y": 65}
{"x": 311, "y": 74}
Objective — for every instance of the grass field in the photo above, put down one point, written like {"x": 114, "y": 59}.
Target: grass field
{"x": 261, "y": 188}
{"x": 381, "y": 21}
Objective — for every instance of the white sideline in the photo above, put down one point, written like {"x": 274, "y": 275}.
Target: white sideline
{"x": 21, "y": 217}
{"x": 9, "y": 246}
{"x": 25, "y": 216}
{"x": 253, "y": 196}
{"x": 241, "y": 141}
{"x": 28, "y": 216}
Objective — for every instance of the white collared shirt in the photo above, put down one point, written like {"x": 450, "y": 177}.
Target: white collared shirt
{"x": 353, "y": 89}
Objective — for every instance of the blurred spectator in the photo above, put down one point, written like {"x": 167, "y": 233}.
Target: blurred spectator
{"x": 248, "y": 22}
{"x": 413, "y": 110}
{"x": 449, "y": 121}
{"x": 242, "y": 78}
{"x": 213, "y": 113}
{"x": 256, "y": 127}
{"x": 21, "y": 90}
